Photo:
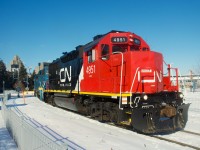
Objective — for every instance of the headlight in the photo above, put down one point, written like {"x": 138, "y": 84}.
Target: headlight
{"x": 181, "y": 95}
{"x": 145, "y": 97}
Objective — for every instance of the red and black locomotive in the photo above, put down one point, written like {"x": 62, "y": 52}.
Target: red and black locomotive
{"x": 117, "y": 78}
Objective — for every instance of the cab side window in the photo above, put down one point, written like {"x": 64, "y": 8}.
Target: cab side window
{"x": 104, "y": 51}
{"x": 91, "y": 55}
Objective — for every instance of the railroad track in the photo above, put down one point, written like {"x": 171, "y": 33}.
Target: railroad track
{"x": 166, "y": 139}
{"x": 190, "y": 132}
{"x": 178, "y": 142}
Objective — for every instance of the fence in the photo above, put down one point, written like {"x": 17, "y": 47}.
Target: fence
{"x": 25, "y": 134}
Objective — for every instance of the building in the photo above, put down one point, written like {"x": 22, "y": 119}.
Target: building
{"x": 15, "y": 64}
{"x": 41, "y": 66}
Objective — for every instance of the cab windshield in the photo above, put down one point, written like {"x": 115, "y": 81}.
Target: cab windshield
{"x": 119, "y": 48}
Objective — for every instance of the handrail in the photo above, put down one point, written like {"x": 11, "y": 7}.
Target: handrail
{"x": 132, "y": 86}
{"x": 120, "y": 99}
{"x": 170, "y": 74}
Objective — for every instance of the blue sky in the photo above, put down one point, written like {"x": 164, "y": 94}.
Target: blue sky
{"x": 40, "y": 30}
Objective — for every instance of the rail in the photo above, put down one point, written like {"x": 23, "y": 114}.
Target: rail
{"x": 185, "y": 134}
{"x": 176, "y": 142}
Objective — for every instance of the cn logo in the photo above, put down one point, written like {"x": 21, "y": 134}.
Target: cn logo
{"x": 155, "y": 74}
{"x": 65, "y": 73}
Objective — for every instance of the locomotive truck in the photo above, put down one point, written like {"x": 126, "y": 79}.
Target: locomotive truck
{"x": 117, "y": 78}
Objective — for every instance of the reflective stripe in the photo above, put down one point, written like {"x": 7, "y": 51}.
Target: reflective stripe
{"x": 124, "y": 100}
{"x": 89, "y": 93}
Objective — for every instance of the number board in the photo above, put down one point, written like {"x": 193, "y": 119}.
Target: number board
{"x": 119, "y": 39}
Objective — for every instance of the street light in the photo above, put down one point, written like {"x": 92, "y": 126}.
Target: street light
{"x": 29, "y": 68}
{"x": 3, "y": 87}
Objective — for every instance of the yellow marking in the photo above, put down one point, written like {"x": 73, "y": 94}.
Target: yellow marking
{"x": 40, "y": 88}
{"x": 129, "y": 112}
{"x": 89, "y": 93}
{"x": 58, "y": 91}
{"x": 126, "y": 123}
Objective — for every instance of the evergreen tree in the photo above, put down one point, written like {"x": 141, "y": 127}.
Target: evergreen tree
{"x": 5, "y": 76}
{"x": 2, "y": 74}
{"x": 22, "y": 73}
{"x": 31, "y": 81}
{"x": 9, "y": 80}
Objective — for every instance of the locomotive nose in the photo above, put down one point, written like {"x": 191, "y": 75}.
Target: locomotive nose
{"x": 149, "y": 75}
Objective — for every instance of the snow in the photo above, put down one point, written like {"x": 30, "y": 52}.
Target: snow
{"x": 90, "y": 134}
{"x": 193, "y": 123}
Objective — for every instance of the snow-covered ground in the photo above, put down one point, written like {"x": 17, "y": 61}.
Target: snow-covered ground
{"x": 194, "y": 111}
{"x": 91, "y": 134}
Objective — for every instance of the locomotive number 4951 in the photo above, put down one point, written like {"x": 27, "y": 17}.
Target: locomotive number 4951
{"x": 90, "y": 69}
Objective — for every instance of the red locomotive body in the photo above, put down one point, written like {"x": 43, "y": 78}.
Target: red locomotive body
{"x": 122, "y": 57}
{"x": 117, "y": 78}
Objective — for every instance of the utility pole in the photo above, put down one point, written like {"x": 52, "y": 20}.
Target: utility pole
{"x": 192, "y": 86}
{"x": 18, "y": 83}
